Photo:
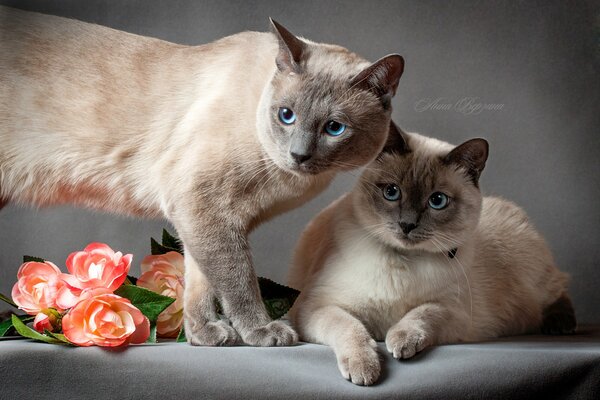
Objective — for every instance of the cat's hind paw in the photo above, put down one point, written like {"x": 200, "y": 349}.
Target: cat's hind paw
{"x": 360, "y": 365}
{"x": 212, "y": 333}
{"x": 275, "y": 333}
{"x": 405, "y": 343}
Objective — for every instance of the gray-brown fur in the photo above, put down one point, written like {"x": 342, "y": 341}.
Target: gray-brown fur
{"x": 98, "y": 118}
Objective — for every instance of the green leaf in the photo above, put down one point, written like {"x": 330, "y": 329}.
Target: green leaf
{"x": 149, "y": 303}
{"x": 32, "y": 259}
{"x": 6, "y": 325}
{"x": 152, "y": 337}
{"x": 58, "y": 336}
{"x": 170, "y": 241}
{"x": 277, "y": 307}
{"x": 27, "y": 332}
{"x": 181, "y": 337}
{"x": 157, "y": 248}
{"x": 131, "y": 280}
{"x": 278, "y": 299}
{"x": 7, "y": 299}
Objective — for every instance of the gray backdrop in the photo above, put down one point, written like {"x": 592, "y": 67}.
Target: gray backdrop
{"x": 524, "y": 75}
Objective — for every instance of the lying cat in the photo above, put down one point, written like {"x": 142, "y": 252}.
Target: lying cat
{"x": 216, "y": 138}
{"x": 415, "y": 256}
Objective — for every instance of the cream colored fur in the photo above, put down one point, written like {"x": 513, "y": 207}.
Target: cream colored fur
{"x": 356, "y": 286}
{"x": 109, "y": 120}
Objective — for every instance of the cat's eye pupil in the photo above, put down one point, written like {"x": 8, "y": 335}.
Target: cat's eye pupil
{"x": 334, "y": 128}
{"x": 391, "y": 192}
{"x": 438, "y": 201}
{"x": 286, "y": 116}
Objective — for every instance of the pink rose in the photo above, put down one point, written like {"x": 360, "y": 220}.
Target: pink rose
{"x": 104, "y": 319}
{"x": 97, "y": 266}
{"x": 37, "y": 287}
{"x": 45, "y": 320}
{"x": 163, "y": 274}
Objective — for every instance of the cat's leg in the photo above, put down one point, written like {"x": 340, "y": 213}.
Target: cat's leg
{"x": 202, "y": 324}
{"x": 354, "y": 348}
{"x": 559, "y": 317}
{"x": 419, "y": 328}
{"x": 3, "y": 203}
{"x": 222, "y": 252}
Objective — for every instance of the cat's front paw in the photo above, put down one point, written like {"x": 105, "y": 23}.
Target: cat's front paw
{"x": 275, "y": 333}
{"x": 360, "y": 364}
{"x": 212, "y": 333}
{"x": 405, "y": 343}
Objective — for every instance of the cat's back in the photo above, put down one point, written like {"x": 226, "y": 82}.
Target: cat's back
{"x": 35, "y": 39}
{"x": 505, "y": 234}
{"x": 504, "y": 223}
{"x": 20, "y": 25}
{"x": 85, "y": 57}
{"x": 514, "y": 267}
{"x": 60, "y": 74}
{"x": 62, "y": 77}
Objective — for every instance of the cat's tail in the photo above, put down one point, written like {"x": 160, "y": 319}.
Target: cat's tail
{"x": 559, "y": 317}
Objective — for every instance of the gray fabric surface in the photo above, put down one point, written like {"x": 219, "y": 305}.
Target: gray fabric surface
{"x": 518, "y": 368}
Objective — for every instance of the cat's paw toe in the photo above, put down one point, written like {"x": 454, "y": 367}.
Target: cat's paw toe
{"x": 361, "y": 367}
{"x": 212, "y": 333}
{"x": 275, "y": 333}
{"x": 406, "y": 343}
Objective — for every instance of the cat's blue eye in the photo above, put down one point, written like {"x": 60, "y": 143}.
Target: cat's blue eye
{"x": 334, "y": 128}
{"x": 287, "y": 116}
{"x": 438, "y": 201}
{"x": 391, "y": 192}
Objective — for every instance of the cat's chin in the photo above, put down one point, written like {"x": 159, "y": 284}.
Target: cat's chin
{"x": 308, "y": 170}
{"x": 302, "y": 170}
{"x": 408, "y": 244}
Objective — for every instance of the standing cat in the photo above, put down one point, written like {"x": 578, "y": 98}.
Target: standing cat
{"x": 415, "y": 256}
{"x": 216, "y": 138}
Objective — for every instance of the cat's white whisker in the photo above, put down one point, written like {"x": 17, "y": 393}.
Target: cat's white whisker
{"x": 440, "y": 247}
{"x": 462, "y": 268}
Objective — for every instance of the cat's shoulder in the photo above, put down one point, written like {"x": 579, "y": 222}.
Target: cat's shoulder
{"x": 250, "y": 37}
{"x": 503, "y": 221}
{"x": 330, "y": 214}
{"x": 501, "y": 209}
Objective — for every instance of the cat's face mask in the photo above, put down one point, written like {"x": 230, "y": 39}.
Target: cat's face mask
{"x": 413, "y": 199}
{"x": 326, "y": 108}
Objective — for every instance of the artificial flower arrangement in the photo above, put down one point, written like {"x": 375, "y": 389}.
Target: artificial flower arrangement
{"x": 98, "y": 303}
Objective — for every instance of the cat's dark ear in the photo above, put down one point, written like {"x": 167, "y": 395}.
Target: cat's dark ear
{"x": 381, "y": 77}
{"x": 396, "y": 141}
{"x": 470, "y": 155}
{"x": 291, "y": 48}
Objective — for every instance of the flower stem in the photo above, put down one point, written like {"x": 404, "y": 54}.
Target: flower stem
{"x": 7, "y": 300}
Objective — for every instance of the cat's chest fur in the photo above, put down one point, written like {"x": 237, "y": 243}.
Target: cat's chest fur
{"x": 380, "y": 285}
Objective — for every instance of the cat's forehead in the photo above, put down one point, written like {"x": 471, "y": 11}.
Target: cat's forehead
{"x": 408, "y": 168}
{"x": 325, "y": 79}
{"x": 332, "y": 60}
{"x": 320, "y": 94}
{"x": 423, "y": 165}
